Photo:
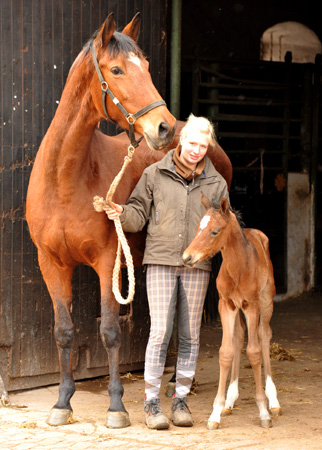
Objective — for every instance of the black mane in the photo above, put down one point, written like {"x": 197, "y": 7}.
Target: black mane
{"x": 119, "y": 43}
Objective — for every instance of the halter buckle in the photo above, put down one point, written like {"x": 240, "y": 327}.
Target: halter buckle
{"x": 104, "y": 86}
{"x": 131, "y": 119}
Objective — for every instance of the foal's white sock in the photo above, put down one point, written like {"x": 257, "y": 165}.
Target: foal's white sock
{"x": 184, "y": 378}
{"x": 152, "y": 378}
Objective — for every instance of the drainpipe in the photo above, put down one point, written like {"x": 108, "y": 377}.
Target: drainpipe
{"x": 175, "y": 69}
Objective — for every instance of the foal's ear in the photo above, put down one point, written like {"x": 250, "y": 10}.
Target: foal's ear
{"x": 107, "y": 31}
{"x": 224, "y": 206}
{"x": 205, "y": 201}
{"x": 133, "y": 28}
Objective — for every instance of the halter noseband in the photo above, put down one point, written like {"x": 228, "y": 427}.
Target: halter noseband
{"x": 131, "y": 118}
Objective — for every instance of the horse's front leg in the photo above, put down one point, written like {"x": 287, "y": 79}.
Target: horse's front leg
{"x": 238, "y": 343}
{"x": 4, "y": 397}
{"x": 226, "y": 357}
{"x": 117, "y": 416}
{"x": 58, "y": 281}
{"x": 265, "y": 335}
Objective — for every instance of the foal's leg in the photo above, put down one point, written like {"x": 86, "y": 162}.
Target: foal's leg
{"x": 238, "y": 342}
{"x": 117, "y": 416}
{"x": 254, "y": 354}
{"x": 226, "y": 356}
{"x": 58, "y": 281}
{"x": 265, "y": 335}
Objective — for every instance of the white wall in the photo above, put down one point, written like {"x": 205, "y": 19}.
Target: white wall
{"x": 300, "y": 236}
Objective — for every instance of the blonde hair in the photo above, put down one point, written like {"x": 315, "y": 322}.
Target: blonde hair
{"x": 202, "y": 124}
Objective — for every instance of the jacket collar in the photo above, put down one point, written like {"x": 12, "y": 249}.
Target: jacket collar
{"x": 166, "y": 163}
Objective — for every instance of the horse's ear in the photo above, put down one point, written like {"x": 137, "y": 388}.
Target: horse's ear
{"x": 205, "y": 201}
{"x": 133, "y": 28}
{"x": 107, "y": 31}
{"x": 224, "y": 206}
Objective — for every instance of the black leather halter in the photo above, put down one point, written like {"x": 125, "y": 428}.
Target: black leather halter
{"x": 131, "y": 118}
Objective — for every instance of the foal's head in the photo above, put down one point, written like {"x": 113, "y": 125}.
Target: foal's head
{"x": 212, "y": 232}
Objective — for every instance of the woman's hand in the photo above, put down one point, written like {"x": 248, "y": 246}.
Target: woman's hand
{"x": 114, "y": 213}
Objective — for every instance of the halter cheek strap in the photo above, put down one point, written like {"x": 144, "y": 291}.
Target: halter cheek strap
{"x": 131, "y": 118}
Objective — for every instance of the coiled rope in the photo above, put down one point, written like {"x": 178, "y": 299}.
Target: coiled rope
{"x": 122, "y": 243}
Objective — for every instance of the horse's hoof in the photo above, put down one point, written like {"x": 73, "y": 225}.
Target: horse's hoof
{"x": 212, "y": 425}
{"x": 171, "y": 389}
{"x": 226, "y": 412}
{"x": 276, "y": 411}
{"x": 60, "y": 417}
{"x": 5, "y": 400}
{"x": 266, "y": 423}
{"x": 117, "y": 419}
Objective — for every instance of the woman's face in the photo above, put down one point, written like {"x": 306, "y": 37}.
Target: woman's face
{"x": 193, "y": 148}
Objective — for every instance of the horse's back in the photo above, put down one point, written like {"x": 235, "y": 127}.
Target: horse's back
{"x": 263, "y": 260}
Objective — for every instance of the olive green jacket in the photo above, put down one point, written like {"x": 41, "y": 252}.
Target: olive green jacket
{"x": 172, "y": 207}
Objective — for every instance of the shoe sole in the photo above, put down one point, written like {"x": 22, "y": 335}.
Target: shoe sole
{"x": 160, "y": 426}
{"x": 182, "y": 424}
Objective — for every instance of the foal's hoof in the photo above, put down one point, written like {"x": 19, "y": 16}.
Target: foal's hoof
{"x": 170, "y": 389}
{"x": 266, "y": 423}
{"x": 212, "y": 425}
{"x": 59, "y": 417}
{"x": 226, "y": 412}
{"x": 276, "y": 411}
{"x": 117, "y": 419}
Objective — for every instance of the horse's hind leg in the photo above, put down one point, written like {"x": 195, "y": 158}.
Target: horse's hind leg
{"x": 58, "y": 281}
{"x": 117, "y": 416}
{"x": 265, "y": 335}
{"x": 254, "y": 354}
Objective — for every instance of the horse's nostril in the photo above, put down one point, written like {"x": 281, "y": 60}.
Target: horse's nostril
{"x": 164, "y": 129}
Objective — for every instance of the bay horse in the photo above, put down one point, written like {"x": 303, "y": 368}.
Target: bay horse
{"x": 76, "y": 162}
{"x": 245, "y": 283}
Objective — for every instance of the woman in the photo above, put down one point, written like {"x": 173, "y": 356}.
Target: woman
{"x": 167, "y": 196}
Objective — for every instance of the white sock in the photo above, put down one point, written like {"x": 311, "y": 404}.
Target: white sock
{"x": 184, "y": 378}
{"x": 152, "y": 378}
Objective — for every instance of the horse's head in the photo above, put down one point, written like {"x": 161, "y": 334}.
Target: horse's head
{"x": 125, "y": 74}
{"x": 210, "y": 236}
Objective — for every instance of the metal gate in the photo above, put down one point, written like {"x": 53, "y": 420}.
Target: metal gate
{"x": 39, "y": 41}
{"x": 267, "y": 117}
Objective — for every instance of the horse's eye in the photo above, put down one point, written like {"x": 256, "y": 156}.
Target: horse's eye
{"x": 116, "y": 71}
{"x": 214, "y": 233}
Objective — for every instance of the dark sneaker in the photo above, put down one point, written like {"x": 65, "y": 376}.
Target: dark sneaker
{"x": 154, "y": 417}
{"x": 180, "y": 413}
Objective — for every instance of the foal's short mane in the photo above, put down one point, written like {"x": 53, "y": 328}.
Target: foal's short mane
{"x": 238, "y": 214}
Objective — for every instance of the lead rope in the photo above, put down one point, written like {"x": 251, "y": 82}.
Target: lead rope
{"x": 122, "y": 243}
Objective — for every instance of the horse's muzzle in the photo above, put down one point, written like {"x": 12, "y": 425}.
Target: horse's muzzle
{"x": 162, "y": 137}
{"x": 188, "y": 260}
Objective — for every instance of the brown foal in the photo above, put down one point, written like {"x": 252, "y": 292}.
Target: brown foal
{"x": 245, "y": 283}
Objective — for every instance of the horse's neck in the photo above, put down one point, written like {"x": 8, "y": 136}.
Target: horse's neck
{"x": 71, "y": 130}
{"x": 235, "y": 252}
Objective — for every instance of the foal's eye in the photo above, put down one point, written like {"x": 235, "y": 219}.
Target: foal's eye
{"x": 214, "y": 233}
{"x": 116, "y": 71}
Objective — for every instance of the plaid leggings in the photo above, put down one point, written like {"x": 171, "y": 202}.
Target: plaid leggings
{"x": 169, "y": 287}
